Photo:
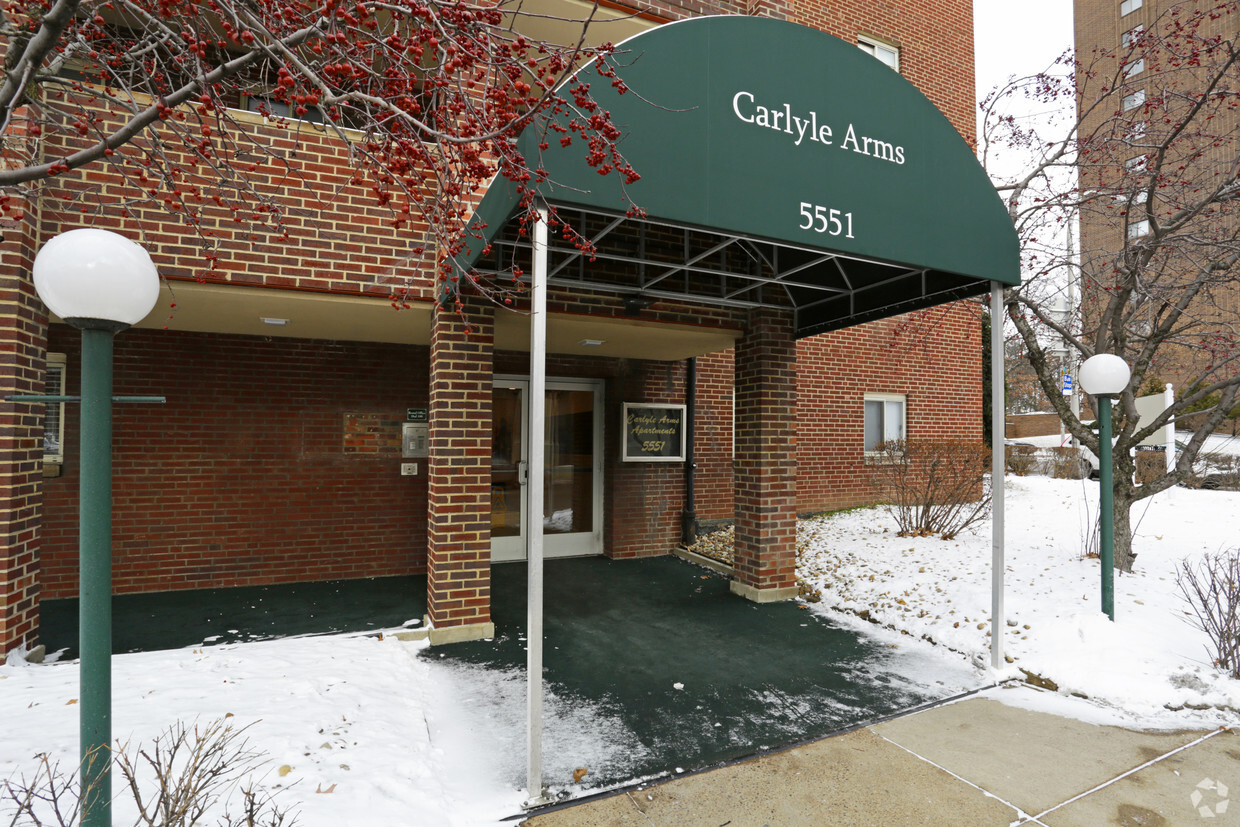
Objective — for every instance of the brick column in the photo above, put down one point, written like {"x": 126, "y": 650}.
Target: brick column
{"x": 458, "y": 569}
{"x": 23, "y": 347}
{"x": 765, "y": 480}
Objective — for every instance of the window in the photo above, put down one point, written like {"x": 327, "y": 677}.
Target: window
{"x": 279, "y": 109}
{"x": 1137, "y": 229}
{"x": 1134, "y": 68}
{"x": 1136, "y": 131}
{"x": 1134, "y": 100}
{"x": 54, "y": 412}
{"x": 884, "y": 419}
{"x": 883, "y": 51}
{"x": 1136, "y": 164}
{"x": 1131, "y": 36}
{"x": 1129, "y": 6}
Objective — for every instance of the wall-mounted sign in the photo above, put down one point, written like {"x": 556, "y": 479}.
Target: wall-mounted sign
{"x": 417, "y": 415}
{"x": 653, "y": 433}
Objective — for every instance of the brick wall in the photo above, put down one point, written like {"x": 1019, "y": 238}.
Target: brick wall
{"x": 248, "y": 474}
{"x": 766, "y": 453}
{"x": 278, "y": 460}
{"x": 22, "y": 331}
{"x": 713, "y": 446}
{"x": 1018, "y": 426}
{"x": 1171, "y": 85}
{"x": 335, "y": 237}
{"x": 933, "y": 357}
{"x": 935, "y": 41}
{"x": 458, "y": 591}
{"x": 645, "y": 499}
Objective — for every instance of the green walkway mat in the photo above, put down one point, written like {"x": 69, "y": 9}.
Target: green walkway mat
{"x": 653, "y": 663}
{"x": 695, "y": 674}
{"x": 170, "y": 620}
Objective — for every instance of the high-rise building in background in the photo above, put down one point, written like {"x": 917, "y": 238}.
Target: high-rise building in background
{"x": 1158, "y": 176}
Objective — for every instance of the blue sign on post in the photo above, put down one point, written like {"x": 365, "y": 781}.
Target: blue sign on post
{"x": 1067, "y": 384}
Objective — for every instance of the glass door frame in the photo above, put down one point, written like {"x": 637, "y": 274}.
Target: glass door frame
{"x": 575, "y": 544}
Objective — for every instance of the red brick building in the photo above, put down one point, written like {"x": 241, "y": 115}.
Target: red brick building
{"x": 295, "y": 391}
{"x": 1156, "y": 139}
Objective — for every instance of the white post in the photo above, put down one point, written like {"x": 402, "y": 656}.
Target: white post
{"x": 1072, "y": 352}
{"x": 1076, "y": 401}
{"x": 1064, "y": 362}
{"x": 997, "y": 464}
{"x": 1169, "y": 429}
{"x": 534, "y": 531}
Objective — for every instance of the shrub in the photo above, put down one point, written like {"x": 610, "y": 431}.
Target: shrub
{"x": 1212, "y": 589}
{"x": 1215, "y": 471}
{"x": 1068, "y": 463}
{"x": 184, "y": 776}
{"x": 1021, "y": 460}
{"x": 933, "y": 486}
{"x": 1150, "y": 466}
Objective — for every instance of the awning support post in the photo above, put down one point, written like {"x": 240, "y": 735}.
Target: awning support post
{"x": 534, "y": 531}
{"x": 997, "y": 463}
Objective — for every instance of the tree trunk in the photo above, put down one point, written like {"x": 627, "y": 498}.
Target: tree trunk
{"x": 1124, "y": 554}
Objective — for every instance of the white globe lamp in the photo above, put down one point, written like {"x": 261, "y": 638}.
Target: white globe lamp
{"x": 1104, "y": 375}
{"x": 96, "y": 278}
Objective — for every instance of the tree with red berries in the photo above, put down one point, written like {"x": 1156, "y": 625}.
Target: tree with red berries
{"x": 1145, "y": 156}
{"x": 427, "y": 96}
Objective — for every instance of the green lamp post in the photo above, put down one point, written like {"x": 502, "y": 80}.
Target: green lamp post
{"x": 100, "y": 283}
{"x": 1105, "y": 376}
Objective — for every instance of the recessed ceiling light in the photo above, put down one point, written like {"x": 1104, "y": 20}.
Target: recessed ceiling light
{"x": 592, "y": 342}
{"x": 275, "y": 322}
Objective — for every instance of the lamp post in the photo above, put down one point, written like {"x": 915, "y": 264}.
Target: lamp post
{"x": 1105, "y": 376}
{"x": 100, "y": 283}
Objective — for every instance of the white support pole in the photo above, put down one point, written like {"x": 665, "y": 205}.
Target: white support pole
{"x": 1169, "y": 429}
{"x": 1073, "y": 354}
{"x": 534, "y": 531}
{"x": 997, "y": 464}
{"x": 1076, "y": 399}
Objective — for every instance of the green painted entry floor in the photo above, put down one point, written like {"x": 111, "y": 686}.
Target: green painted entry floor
{"x": 692, "y": 674}
{"x": 695, "y": 674}
{"x": 171, "y": 620}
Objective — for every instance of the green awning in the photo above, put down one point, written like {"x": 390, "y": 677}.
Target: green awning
{"x": 788, "y": 167}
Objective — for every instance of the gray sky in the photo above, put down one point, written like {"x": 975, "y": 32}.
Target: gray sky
{"x": 1018, "y": 38}
{"x": 1015, "y": 39}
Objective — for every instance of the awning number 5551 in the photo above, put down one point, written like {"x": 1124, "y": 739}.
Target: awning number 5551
{"x": 823, "y": 220}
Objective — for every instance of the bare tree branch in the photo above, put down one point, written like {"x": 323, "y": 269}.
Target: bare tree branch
{"x": 1147, "y": 162}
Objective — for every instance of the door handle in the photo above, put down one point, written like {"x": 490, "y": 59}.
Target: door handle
{"x": 523, "y": 472}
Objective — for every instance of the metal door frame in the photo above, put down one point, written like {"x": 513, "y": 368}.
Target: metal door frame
{"x": 577, "y": 544}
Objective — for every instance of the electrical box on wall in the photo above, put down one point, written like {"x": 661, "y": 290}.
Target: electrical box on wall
{"x": 415, "y": 439}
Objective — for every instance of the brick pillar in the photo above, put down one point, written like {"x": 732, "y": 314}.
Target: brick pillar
{"x": 765, "y": 480}
{"x": 458, "y": 569}
{"x": 23, "y": 348}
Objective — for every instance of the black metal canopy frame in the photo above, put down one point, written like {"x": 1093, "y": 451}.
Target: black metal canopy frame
{"x": 653, "y": 259}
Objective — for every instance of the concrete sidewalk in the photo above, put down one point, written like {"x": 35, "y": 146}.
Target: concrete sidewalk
{"x": 974, "y": 762}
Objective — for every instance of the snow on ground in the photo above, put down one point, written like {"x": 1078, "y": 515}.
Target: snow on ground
{"x": 369, "y": 733}
{"x": 1151, "y": 665}
{"x": 373, "y": 734}
{"x": 354, "y": 716}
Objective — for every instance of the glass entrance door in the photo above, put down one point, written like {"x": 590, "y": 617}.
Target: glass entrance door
{"x": 572, "y": 483}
